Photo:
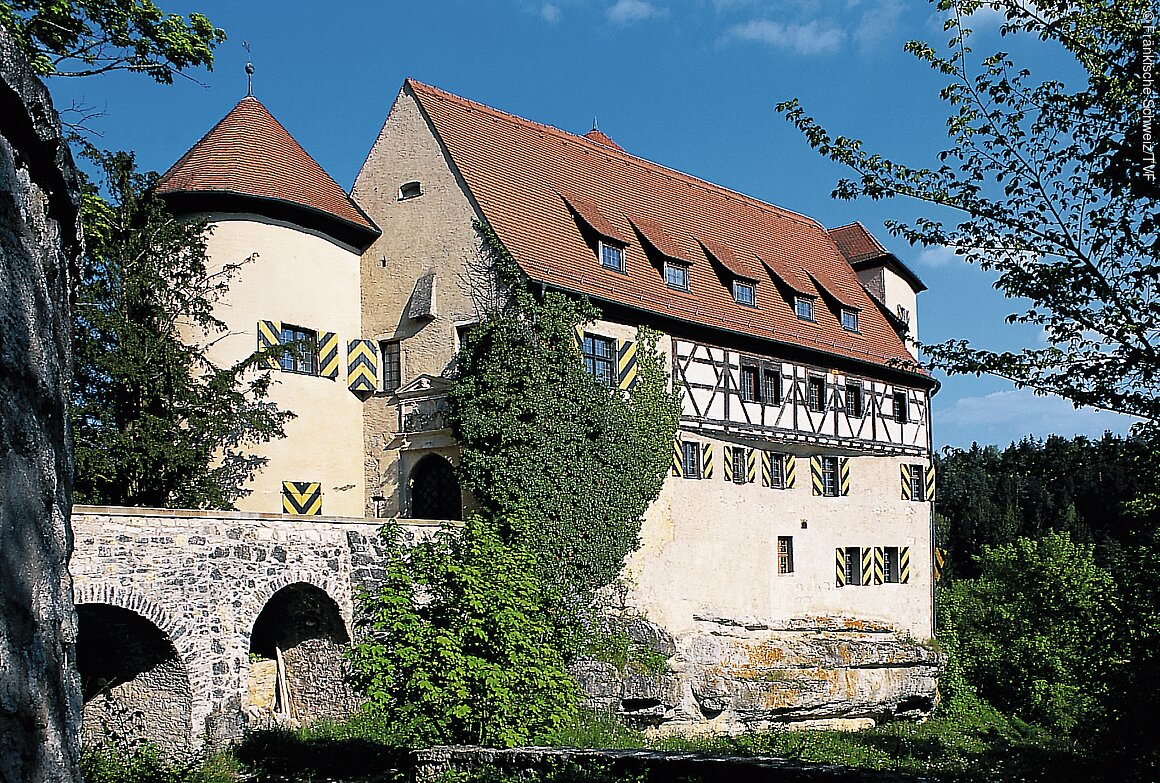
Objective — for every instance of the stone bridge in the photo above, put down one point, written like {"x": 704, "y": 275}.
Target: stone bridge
{"x": 194, "y": 625}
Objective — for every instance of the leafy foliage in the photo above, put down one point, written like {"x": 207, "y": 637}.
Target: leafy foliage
{"x": 89, "y": 37}
{"x": 156, "y": 423}
{"x": 1050, "y": 189}
{"x": 144, "y": 764}
{"x": 457, "y": 647}
{"x": 576, "y": 463}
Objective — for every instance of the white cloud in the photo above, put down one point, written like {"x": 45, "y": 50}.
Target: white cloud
{"x": 878, "y": 23}
{"x": 937, "y": 256}
{"x": 629, "y": 11}
{"x": 813, "y": 37}
{"x": 1006, "y": 416}
{"x": 550, "y": 13}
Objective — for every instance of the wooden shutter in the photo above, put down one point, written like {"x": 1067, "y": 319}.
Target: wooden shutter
{"x": 904, "y": 564}
{"x": 840, "y": 567}
{"x": 361, "y": 366}
{"x": 707, "y": 460}
{"x": 906, "y": 493}
{"x": 678, "y": 458}
{"x": 867, "y": 563}
{"x": 767, "y": 469}
{"x": 328, "y": 355}
{"x": 929, "y": 484}
{"x": 269, "y": 338}
{"x": 816, "y": 475}
{"x": 626, "y": 364}
{"x": 879, "y": 566}
{"x": 302, "y": 498}
{"x": 843, "y": 476}
{"x": 790, "y": 470}
{"x": 727, "y": 462}
{"x": 751, "y": 466}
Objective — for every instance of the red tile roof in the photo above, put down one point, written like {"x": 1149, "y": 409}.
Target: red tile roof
{"x": 515, "y": 170}
{"x": 249, "y": 153}
{"x": 599, "y": 137}
{"x": 861, "y": 249}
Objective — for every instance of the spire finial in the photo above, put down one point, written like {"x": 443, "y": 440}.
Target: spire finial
{"x": 595, "y": 127}
{"x": 249, "y": 71}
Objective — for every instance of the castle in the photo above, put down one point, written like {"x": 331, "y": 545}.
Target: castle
{"x": 799, "y": 500}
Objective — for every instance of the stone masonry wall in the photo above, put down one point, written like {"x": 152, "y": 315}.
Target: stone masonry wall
{"x": 39, "y": 244}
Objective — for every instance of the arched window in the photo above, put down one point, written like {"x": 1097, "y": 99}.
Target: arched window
{"x": 435, "y": 490}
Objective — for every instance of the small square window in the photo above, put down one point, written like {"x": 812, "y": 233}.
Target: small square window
{"x": 745, "y": 293}
{"x": 392, "y": 354}
{"x": 803, "y": 308}
{"x": 691, "y": 456}
{"x": 750, "y": 391}
{"x": 817, "y": 392}
{"x": 785, "y": 554}
{"x": 850, "y": 320}
{"x": 854, "y": 403}
{"x": 914, "y": 476}
{"x": 301, "y": 350}
{"x": 777, "y": 471}
{"x": 412, "y": 189}
{"x": 677, "y": 277}
{"x": 830, "y": 477}
{"x": 612, "y": 257}
{"x": 853, "y": 566}
{"x": 771, "y": 385}
{"x": 901, "y": 408}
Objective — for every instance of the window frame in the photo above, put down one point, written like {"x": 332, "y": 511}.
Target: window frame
{"x": 777, "y": 470}
{"x": 611, "y": 248}
{"x": 853, "y": 566}
{"x": 915, "y": 476}
{"x": 743, "y": 285}
{"x": 592, "y": 361}
{"x": 853, "y": 326}
{"x": 831, "y": 471}
{"x": 303, "y": 360}
{"x": 800, "y": 302}
{"x": 683, "y": 269}
{"x": 410, "y": 189}
{"x": 784, "y": 555}
{"x": 391, "y": 350}
{"x": 812, "y": 385}
{"x": 740, "y": 476}
{"x": 857, "y": 411}
{"x": 750, "y": 391}
{"x": 891, "y": 565}
{"x": 900, "y": 404}
{"x": 691, "y": 450}
{"x": 771, "y": 383}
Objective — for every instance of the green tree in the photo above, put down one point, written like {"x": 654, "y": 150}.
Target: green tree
{"x": 1050, "y": 186}
{"x": 89, "y": 37}
{"x": 576, "y": 463}
{"x": 156, "y": 423}
{"x": 1034, "y": 634}
{"x": 456, "y": 646}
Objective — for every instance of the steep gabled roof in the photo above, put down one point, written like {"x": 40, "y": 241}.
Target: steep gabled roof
{"x": 516, "y": 171}
{"x": 862, "y": 250}
{"x": 249, "y": 157}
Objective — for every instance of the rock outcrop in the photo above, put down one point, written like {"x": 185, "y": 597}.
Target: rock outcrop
{"x": 744, "y": 675}
{"x": 40, "y": 698}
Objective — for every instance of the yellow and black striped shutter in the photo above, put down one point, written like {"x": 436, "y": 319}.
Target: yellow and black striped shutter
{"x": 816, "y": 475}
{"x": 766, "y": 468}
{"x": 269, "y": 338}
{"x": 678, "y": 458}
{"x": 302, "y": 497}
{"x": 727, "y": 462}
{"x": 626, "y": 364}
{"x": 790, "y": 470}
{"x": 328, "y": 355}
{"x": 940, "y": 559}
{"x": 843, "y": 476}
{"x": 867, "y": 563}
{"x": 707, "y": 460}
{"x": 904, "y": 564}
{"x": 751, "y": 466}
{"x": 906, "y": 493}
{"x": 579, "y": 333}
{"x": 362, "y": 368}
{"x": 840, "y": 567}
{"x": 928, "y": 484}
{"x": 879, "y": 566}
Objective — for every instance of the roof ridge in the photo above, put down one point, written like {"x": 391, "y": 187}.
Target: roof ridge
{"x": 612, "y": 154}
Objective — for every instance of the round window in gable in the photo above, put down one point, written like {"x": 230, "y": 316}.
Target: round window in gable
{"x": 412, "y": 189}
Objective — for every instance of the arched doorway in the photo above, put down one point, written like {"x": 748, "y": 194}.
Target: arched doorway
{"x": 136, "y": 688}
{"x": 435, "y": 490}
{"x": 296, "y": 650}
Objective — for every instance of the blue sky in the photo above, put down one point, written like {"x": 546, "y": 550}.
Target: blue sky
{"x": 691, "y": 85}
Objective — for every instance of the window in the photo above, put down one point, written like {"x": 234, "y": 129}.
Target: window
{"x": 739, "y": 460}
{"x": 853, "y": 565}
{"x": 849, "y": 320}
{"x": 777, "y": 471}
{"x": 914, "y": 475}
{"x": 745, "y": 293}
{"x": 854, "y": 404}
{"x": 830, "y": 487}
{"x": 600, "y": 359}
{"x": 392, "y": 364}
{"x": 410, "y": 190}
{"x": 691, "y": 456}
{"x": 901, "y": 409}
{"x": 750, "y": 392}
{"x": 461, "y": 333}
{"x": 803, "y": 308}
{"x": 301, "y": 350}
{"x": 890, "y": 569}
{"x": 817, "y": 393}
{"x": 677, "y": 276}
{"x": 785, "y": 554}
{"x": 771, "y": 385}
{"x": 612, "y": 257}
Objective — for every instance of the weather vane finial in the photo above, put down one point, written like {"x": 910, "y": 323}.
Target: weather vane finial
{"x": 595, "y": 126}
{"x": 249, "y": 70}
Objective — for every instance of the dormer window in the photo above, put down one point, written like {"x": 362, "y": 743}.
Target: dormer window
{"x": 849, "y": 319}
{"x": 412, "y": 189}
{"x": 611, "y": 257}
{"x": 745, "y": 293}
{"x": 803, "y": 308}
{"x": 677, "y": 276}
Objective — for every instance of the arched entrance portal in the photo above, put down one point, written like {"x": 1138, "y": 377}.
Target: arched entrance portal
{"x": 136, "y": 688}
{"x": 435, "y": 490}
{"x": 296, "y": 659}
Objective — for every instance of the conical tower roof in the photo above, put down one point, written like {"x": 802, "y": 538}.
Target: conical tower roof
{"x": 248, "y": 162}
